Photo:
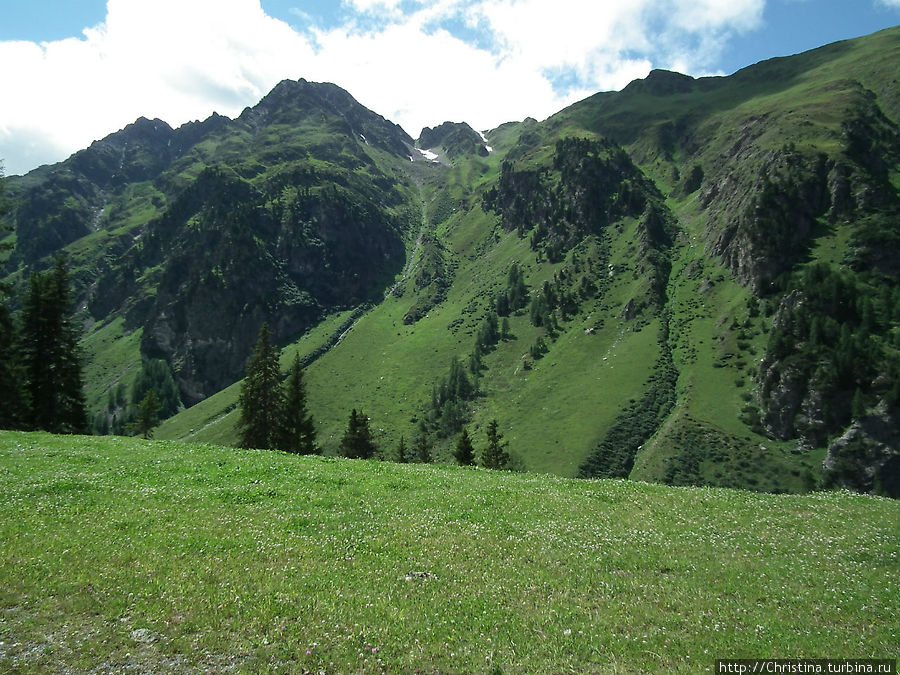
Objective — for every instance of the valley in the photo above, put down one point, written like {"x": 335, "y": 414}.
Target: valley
{"x": 663, "y": 323}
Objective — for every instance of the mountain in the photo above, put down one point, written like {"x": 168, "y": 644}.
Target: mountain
{"x": 455, "y": 139}
{"x": 690, "y": 281}
{"x": 196, "y": 236}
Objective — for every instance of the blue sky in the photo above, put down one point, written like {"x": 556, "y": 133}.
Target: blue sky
{"x": 86, "y": 68}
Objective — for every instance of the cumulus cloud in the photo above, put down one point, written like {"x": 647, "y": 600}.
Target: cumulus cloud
{"x": 173, "y": 59}
{"x": 417, "y": 62}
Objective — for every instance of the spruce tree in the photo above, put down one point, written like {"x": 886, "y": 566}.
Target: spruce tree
{"x": 464, "y": 452}
{"x": 517, "y": 293}
{"x": 261, "y": 398}
{"x": 357, "y": 442}
{"x": 495, "y": 455}
{"x": 51, "y": 357}
{"x": 402, "y": 451}
{"x": 421, "y": 449}
{"x": 297, "y": 429}
{"x": 157, "y": 375}
{"x": 147, "y": 416}
{"x": 11, "y": 412}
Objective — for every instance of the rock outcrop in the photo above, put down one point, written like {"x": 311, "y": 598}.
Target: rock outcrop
{"x": 866, "y": 457}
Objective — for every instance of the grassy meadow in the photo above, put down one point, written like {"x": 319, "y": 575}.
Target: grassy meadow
{"x": 122, "y": 555}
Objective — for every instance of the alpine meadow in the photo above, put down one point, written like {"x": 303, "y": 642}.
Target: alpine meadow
{"x": 617, "y": 391}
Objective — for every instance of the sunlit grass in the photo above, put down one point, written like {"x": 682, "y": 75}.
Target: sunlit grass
{"x": 158, "y": 556}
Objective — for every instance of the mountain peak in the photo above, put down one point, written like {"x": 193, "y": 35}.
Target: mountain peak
{"x": 662, "y": 83}
{"x": 292, "y": 101}
{"x": 457, "y": 138}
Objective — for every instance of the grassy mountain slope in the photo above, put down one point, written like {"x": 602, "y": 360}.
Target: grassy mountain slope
{"x": 631, "y": 287}
{"x": 790, "y": 121}
{"x": 121, "y": 554}
{"x": 195, "y": 236}
{"x": 388, "y": 367}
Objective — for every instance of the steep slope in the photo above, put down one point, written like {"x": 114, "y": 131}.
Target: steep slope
{"x": 787, "y": 165}
{"x": 691, "y": 281}
{"x": 457, "y": 139}
{"x": 59, "y": 204}
{"x": 198, "y": 235}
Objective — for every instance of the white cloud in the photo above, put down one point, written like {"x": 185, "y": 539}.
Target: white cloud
{"x": 175, "y": 59}
{"x": 373, "y": 5}
{"x": 608, "y": 42}
{"x": 181, "y": 60}
{"x": 894, "y": 4}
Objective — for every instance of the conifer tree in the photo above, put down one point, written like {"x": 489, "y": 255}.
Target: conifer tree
{"x": 518, "y": 293}
{"x": 298, "y": 431}
{"x": 156, "y": 375}
{"x": 464, "y": 452}
{"x": 148, "y": 415}
{"x": 402, "y": 451}
{"x": 261, "y": 398}
{"x": 422, "y": 449}
{"x": 357, "y": 442}
{"x": 51, "y": 356}
{"x": 495, "y": 455}
{"x": 12, "y": 410}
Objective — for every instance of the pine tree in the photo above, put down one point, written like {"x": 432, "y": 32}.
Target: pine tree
{"x": 261, "y": 399}
{"x": 495, "y": 455}
{"x": 148, "y": 415}
{"x": 421, "y": 449}
{"x": 156, "y": 375}
{"x": 357, "y": 442}
{"x": 12, "y": 411}
{"x": 402, "y": 451}
{"x": 51, "y": 356}
{"x": 464, "y": 452}
{"x": 298, "y": 431}
{"x": 518, "y": 294}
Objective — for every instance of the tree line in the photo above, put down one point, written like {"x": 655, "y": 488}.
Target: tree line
{"x": 40, "y": 362}
{"x": 274, "y": 414}
{"x": 41, "y": 386}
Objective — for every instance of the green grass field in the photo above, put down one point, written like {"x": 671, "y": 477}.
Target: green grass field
{"x": 120, "y": 555}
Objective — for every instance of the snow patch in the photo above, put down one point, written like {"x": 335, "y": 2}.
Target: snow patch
{"x": 364, "y": 139}
{"x": 428, "y": 154}
{"x": 485, "y": 141}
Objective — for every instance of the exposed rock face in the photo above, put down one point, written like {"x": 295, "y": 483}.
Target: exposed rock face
{"x": 292, "y": 102}
{"x": 764, "y": 226}
{"x": 786, "y": 392}
{"x": 867, "y": 457}
{"x": 766, "y": 199}
{"x": 70, "y": 200}
{"x": 457, "y": 138}
{"x": 228, "y": 260}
